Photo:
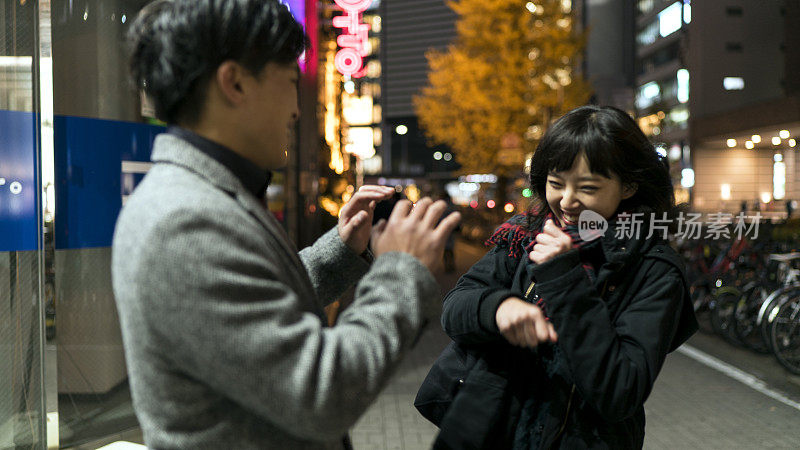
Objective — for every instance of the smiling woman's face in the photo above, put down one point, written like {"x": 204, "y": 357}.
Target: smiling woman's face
{"x": 578, "y": 189}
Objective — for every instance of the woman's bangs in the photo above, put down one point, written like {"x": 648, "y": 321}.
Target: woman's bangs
{"x": 598, "y": 151}
{"x": 600, "y": 154}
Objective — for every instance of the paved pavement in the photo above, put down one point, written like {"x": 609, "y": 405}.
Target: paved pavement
{"x": 691, "y": 407}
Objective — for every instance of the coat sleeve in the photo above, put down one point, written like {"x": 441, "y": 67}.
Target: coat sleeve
{"x": 468, "y": 313}
{"x": 332, "y": 267}
{"x": 613, "y": 363}
{"x": 228, "y": 319}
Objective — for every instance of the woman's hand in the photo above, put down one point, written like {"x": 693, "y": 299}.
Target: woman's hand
{"x": 355, "y": 218}
{"x": 523, "y": 324}
{"x": 550, "y": 243}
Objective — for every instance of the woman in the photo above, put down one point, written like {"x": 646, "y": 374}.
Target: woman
{"x": 569, "y": 334}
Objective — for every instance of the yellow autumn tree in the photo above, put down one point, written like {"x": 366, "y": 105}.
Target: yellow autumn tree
{"x": 509, "y": 72}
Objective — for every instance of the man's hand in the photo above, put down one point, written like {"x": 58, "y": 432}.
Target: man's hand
{"x": 355, "y": 218}
{"x": 416, "y": 231}
{"x": 523, "y": 324}
{"x": 550, "y": 243}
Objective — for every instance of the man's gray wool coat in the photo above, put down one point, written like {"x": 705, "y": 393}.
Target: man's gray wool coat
{"x": 222, "y": 322}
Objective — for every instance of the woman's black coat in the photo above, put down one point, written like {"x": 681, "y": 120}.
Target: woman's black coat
{"x": 588, "y": 389}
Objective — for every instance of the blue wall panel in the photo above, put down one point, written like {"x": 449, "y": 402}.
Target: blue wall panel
{"x": 89, "y": 187}
{"x": 18, "y": 192}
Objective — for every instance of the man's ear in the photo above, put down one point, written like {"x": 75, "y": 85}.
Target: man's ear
{"x": 229, "y": 81}
{"x": 628, "y": 190}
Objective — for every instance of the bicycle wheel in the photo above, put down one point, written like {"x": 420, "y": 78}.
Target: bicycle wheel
{"x": 785, "y": 335}
{"x": 701, "y": 296}
{"x": 769, "y": 310}
{"x": 722, "y": 316}
{"x": 745, "y": 316}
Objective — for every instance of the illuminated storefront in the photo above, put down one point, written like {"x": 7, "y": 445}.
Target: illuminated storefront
{"x": 350, "y": 93}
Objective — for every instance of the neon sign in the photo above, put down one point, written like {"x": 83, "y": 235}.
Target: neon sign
{"x": 354, "y": 40}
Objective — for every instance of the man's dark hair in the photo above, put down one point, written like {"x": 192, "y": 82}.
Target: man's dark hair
{"x": 176, "y": 47}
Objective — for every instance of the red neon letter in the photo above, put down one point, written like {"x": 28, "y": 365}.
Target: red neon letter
{"x": 348, "y": 61}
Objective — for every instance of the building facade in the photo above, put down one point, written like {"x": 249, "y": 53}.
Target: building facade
{"x": 411, "y": 28}
{"x": 743, "y": 57}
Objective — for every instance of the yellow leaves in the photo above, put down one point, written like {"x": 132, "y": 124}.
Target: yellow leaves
{"x": 502, "y": 76}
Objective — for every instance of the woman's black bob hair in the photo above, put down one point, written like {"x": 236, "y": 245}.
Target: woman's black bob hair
{"x": 176, "y": 47}
{"x": 614, "y": 146}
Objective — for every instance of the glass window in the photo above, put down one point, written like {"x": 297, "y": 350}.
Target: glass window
{"x": 670, "y": 19}
{"x": 734, "y": 47}
{"x": 22, "y": 388}
{"x": 92, "y": 104}
{"x": 648, "y": 34}
{"x": 659, "y": 58}
{"x": 734, "y": 11}
{"x": 647, "y": 95}
{"x": 645, "y": 6}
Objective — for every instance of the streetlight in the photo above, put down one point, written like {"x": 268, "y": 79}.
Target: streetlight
{"x": 402, "y": 130}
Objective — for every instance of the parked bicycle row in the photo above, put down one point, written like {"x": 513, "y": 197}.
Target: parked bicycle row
{"x": 748, "y": 292}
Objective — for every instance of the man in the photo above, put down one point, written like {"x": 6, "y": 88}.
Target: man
{"x": 222, "y": 320}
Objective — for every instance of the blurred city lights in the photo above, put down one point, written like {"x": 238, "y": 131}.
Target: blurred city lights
{"x": 349, "y": 87}
{"x": 473, "y": 204}
{"x": 401, "y": 130}
{"x": 413, "y": 193}
{"x": 766, "y": 197}
{"x": 779, "y": 178}
{"x": 531, "y": 7}
{"x": 725, "y": 191}
{"x": 469, "y": 187}
{"x": 756, "y": 139}
{"x": 733, "y": 83}
{"x": 777, "y": 157}
{"x": 476, "y": 178}
{"x": 526, "y": 193}
{"x": 448, "y": 156}
{"x": 509, "y": 208}
{"x": 776, "y": 140}
{"x": 437, "y": 156}
{"x": 675, "y": 152}
{"x": 669, "y": 20}
{"x": 731, "y": 143}
{"x": 784, "y": 134}
{"x": 687, "y": 178}
{"x": 749, "y": 145}
{"x": 683, "y": 85}
{"x": 490, "y": 204}
{"x": 792, "y": 142}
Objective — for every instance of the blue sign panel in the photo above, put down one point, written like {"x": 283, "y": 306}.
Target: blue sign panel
{"x": 98, "y": 163}
{"x": 18, "y": 192}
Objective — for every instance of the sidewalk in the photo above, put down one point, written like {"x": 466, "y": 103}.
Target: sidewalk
{"x": 691, "y": 407}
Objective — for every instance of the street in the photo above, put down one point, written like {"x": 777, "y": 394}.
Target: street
{"x": 692, "y": 405}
